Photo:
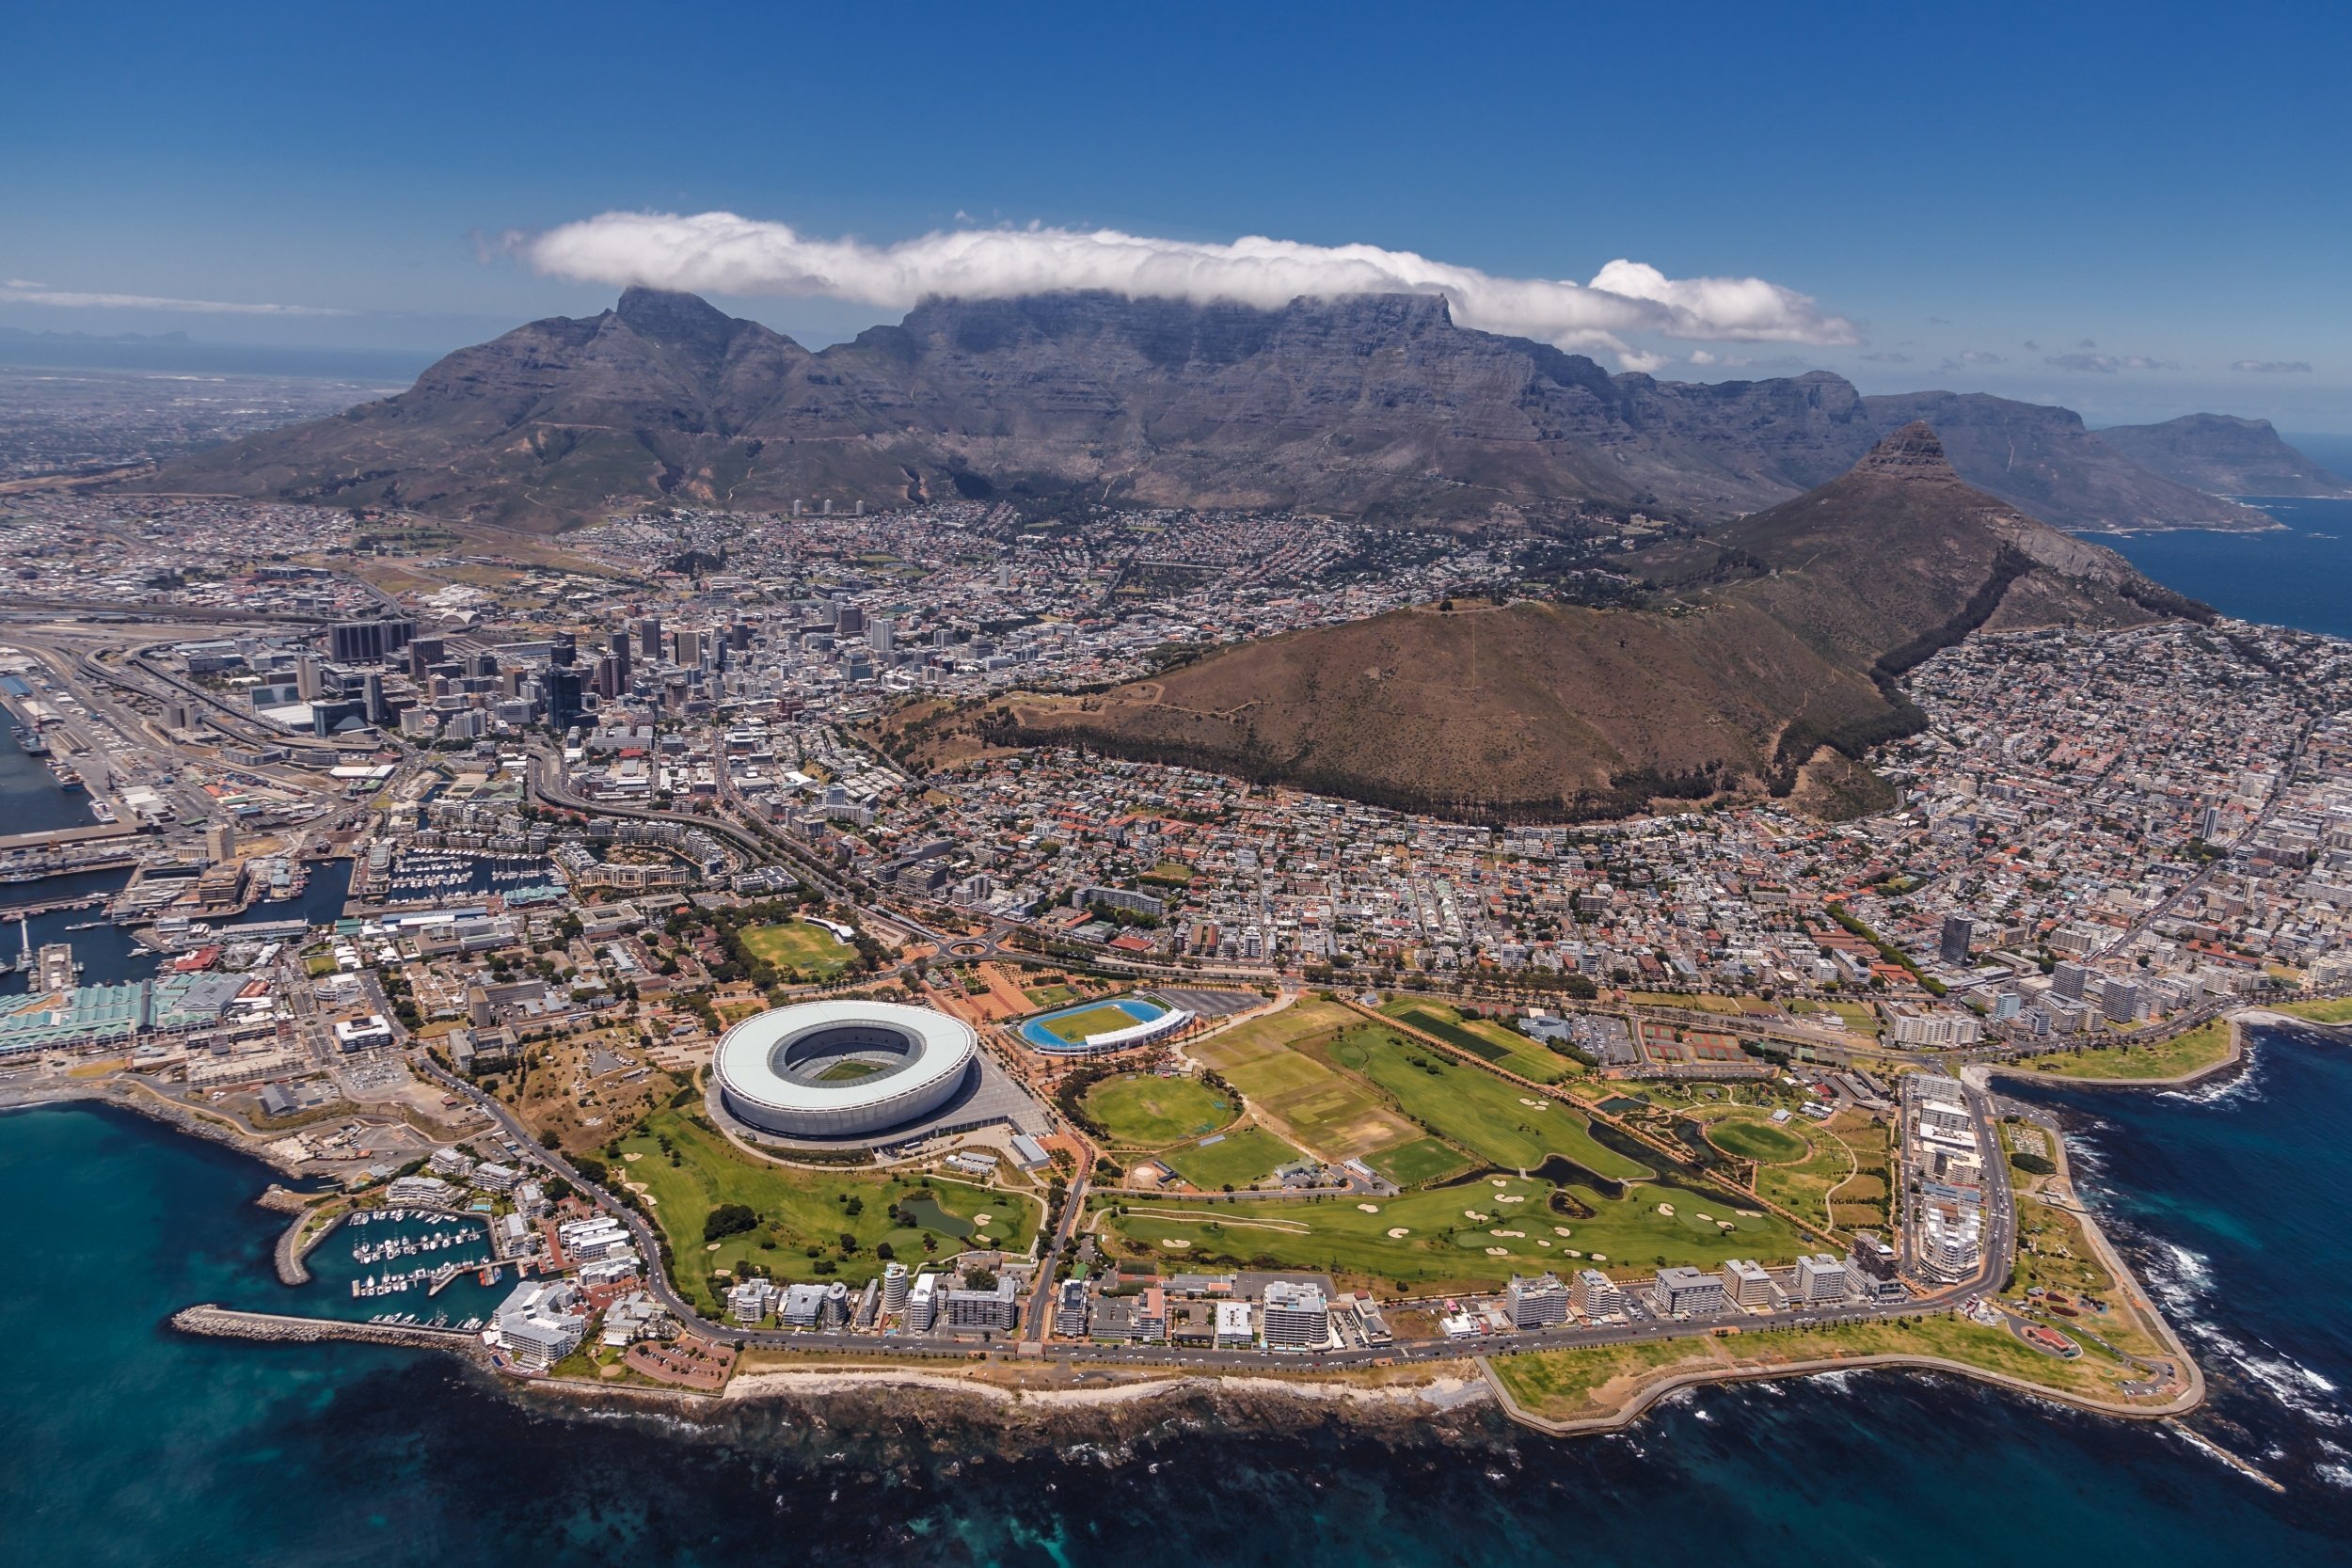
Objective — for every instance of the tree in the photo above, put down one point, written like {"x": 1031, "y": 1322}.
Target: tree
{"x": 978, "y": 1278}
{"x": 728, "y": 1219}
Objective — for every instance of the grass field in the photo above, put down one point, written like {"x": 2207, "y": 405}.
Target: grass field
{"x": 1239, "y": 1158}
{"x": 1423, "y": 1159}
{"x": 1468, "y": 1236}
{"x": 2199, "y": 1048}
{"x": 1142, "y": 1110}
{"x": 1759, "y": 1139}
{"x": 796, "y": 944}
{"x": 1476, "y": 1110}
{"x": 1563, "y": 1385}
{"x": 1049, "y": 996}
{"x": 1484, "y": 1039}
{"x": 1702, "y": 1002}
{"x": 2338, "y": 1010}
{"x": 1271, "y": 1061}
{"x": 1860, "y": 1017}
{"x": 1101, "y": 1020}
{"x": 798, "y": 1209}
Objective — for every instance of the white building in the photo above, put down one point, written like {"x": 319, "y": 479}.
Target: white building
{"x": 1746, "y": 1283}
{"x": 1682, "y": 1290}
{"x": 1296, "y": 1316}
{"x": 1233, "y": 1328}
{"x": 922, "y": 1302}
{"x": 1536, "y": 1303}
{"x": 1821, "y": 1277}
{"x": 541, "y": 1322}
{"x": 1594, "y": 1294}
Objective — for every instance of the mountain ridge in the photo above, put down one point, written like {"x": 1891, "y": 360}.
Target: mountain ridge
{"x": 2226, "y": 456}
{"x": 1368, "y": 405}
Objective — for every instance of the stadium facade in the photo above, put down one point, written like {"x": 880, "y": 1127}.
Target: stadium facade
{"x": 843, "y": 1069}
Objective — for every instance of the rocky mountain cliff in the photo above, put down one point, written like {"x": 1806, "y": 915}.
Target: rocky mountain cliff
{"x": 2226, "y": 456}
{"x": 1776, "y": 680}
{"x": 1375, "y": 405}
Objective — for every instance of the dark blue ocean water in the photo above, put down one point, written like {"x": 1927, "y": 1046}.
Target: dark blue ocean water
{"x": 2298, "y": 577}
{"x": 31, "y": 800}
{"x": 107, "y": 952}
{"x": 128, "y": 1443}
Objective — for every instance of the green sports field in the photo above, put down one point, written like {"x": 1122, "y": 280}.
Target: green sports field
{"x": 1274, "y": 1062}
{"x": 1484, "y": 1039}
{"x": 1481, "y": 1113}
{"x": 1243, "y": 1156}
{"x": 797, "y": 944}
{"x": 1101, "y": 1020}
{"x": 1758, "y": 1140}
{"x": 1143, "y": 1110}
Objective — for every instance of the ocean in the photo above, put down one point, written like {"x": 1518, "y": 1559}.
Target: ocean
{"x": 129, "y": 1443}
{"x": 2297, "y": 576}
{"x": 31, "y": 799}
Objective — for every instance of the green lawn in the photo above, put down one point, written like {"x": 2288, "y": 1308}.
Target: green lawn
{"x": 799, "y": 1208}
{"x": 1237, "y": 1158}
{"x": 1100, "y": 1019}
{"x": 1049, "y": 996}
{"x": 1423, "y": 1159}
{"x": 1476, "y": 1110}
{"x": 1142, "y": 1110}
{"x": 1757, "y": 1140}
{"x": 2199, "y": 1048}
{"x": 1443, "y": 1245}
{"x": 1484, "y": 1039}
{"x": 796, "y": 944}
{"x": 1561, "y": 1383}
{"x": 1272, "y": 1061}
{"x": 2337, "y": 1010}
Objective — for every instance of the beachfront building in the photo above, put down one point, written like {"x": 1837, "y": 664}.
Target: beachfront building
{"x": 540, "y": 1323}
{"x": 1536, "y": 1303}
{"x": 1682, "y": 1290}
{"x": 1296, "y": 1316}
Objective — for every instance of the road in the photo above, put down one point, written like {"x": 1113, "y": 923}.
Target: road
{"x": 2000, "y": 1240}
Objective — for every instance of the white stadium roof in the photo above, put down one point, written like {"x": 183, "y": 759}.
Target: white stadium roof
{"x": 753, "y": 1065}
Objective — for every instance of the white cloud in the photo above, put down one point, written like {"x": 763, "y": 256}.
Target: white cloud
{"x": 2108, "y": 364}
{"x": 22, "y": 293}
{"x": 2274, "y": 367}
{"x": 722, "y": 253}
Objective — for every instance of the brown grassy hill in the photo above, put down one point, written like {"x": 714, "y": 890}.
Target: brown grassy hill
{"x": 1540, "y": 711}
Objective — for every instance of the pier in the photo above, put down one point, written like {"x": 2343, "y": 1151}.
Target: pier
{"x": 227, "y": 1322}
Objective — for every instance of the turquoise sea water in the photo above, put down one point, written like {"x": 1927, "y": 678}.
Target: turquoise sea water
{"x": 131, "y": 1444}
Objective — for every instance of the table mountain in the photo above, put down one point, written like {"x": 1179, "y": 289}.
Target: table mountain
{"x": 1372, "y": 406}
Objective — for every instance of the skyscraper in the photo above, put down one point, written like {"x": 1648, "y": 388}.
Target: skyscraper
{"x": 1959, "y": 932}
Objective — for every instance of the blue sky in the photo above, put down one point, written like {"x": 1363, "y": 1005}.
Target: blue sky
{"x": 2162, "y": 183}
